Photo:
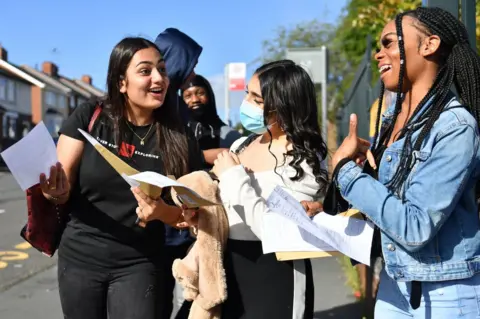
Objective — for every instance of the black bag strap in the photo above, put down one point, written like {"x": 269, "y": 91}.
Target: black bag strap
{"x": 334, "y": 203}
{"x": 245, "y": 143}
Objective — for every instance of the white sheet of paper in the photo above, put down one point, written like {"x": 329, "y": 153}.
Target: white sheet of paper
{"x": 32, "y": 155}
{"x": 350, "y": 236}
{"x": 280, "y": 234}
{"x": 156, "y": 179}
{"x": 130, "y": 181}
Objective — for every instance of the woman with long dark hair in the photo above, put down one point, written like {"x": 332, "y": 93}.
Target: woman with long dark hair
{"x": 108, "y": 265}
{"x": 427, "y": 164}
{"x": 287, "y": 150}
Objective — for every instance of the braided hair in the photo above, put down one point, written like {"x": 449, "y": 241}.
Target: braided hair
{"x": 460, "y": 65}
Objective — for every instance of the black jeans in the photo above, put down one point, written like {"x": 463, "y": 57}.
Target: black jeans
{"x": 172, "y": 253}
{"x": 132, "y": 293}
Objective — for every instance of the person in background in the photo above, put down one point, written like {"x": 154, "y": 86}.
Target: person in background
{"x": 108, "y": 266}
{"x": 212, "y": 134}
{"x": 181, "y": 54}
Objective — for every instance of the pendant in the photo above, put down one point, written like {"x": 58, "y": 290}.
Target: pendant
{"x": 141, "y": 142}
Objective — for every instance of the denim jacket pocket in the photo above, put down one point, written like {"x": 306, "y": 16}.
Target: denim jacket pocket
{"x": 389, "y": 164}
{"x": 418, "y": 157}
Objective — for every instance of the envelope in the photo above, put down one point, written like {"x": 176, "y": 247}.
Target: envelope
{"x": 285, "y": 255}
{"x": 150, "y": 183}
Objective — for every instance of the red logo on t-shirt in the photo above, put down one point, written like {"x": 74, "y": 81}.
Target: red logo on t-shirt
{"x": 126, "y": 150}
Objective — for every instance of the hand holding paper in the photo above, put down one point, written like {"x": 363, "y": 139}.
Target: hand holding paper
{"x": 149, "y": 209}
{"x": 56, "y": 187}
{"x": 289, "y": 228}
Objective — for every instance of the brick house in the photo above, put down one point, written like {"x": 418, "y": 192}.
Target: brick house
{"x": 16, "y": 100}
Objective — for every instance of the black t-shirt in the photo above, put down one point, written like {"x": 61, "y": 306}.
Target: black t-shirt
{"x": 102, "y": 230}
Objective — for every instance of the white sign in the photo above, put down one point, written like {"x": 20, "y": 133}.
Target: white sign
{"x": 237, "y": 73}
{"x": 313, "y": 60}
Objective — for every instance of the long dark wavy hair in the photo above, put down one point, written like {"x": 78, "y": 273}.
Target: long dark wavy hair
{"x": 288, "y": 91}
{"x": 460, "y": 66}
{"x": 172, "y": 145}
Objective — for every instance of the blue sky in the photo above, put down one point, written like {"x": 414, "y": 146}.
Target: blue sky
{"x": 78, "y": 35}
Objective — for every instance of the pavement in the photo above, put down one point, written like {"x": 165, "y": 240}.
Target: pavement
{"x": 28, "y": 283}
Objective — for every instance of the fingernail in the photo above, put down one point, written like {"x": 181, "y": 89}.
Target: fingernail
{"x": 352, "y": 117}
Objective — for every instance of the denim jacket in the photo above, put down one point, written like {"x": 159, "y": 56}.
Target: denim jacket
{"x": 432, "y": 234}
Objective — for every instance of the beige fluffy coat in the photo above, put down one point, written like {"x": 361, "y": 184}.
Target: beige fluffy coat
{"x": 201, "y": 272}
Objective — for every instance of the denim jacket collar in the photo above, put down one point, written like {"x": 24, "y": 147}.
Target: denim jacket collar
{"x": 387, "y": 116}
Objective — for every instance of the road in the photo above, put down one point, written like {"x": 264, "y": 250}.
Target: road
{"x": 28, "y": 285}
{"x": 17, "y": 259}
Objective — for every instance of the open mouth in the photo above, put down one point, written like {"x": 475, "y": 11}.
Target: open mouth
{"x": 156, "y": 90}
{"x": 385, "y": 68}
{"x": 195, "y": 106}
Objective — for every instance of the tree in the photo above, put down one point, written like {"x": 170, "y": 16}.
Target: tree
{"x": 311, "y": 34}
{"x": 347, "y": 41}
{"x": 363, "y": 17}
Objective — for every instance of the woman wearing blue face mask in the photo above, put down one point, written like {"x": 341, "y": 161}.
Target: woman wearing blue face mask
{"x": 286, "y": 149}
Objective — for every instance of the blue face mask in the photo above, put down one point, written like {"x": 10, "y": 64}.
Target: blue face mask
{"x": 251, "y": 118}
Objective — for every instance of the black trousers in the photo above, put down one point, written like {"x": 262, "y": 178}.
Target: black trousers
{"x": 172, "y": 253}
{"x": 131, "y": 293}
{"x": 261, "y": 287}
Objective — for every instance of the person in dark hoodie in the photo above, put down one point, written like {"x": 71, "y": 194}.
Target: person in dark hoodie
{"x": 212, "y": 134}
{"x": 181, "y": 54}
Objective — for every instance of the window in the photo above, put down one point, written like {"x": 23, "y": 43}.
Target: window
{"x": 53, "y": 122}
{"x": 50, "y": 99}
{"x": 10, "y": 125}
{"x": 72, "y": 101}
{"x": 3, "y": 88}
{"x": 61, "y": 101}
{"x": 7, "y": 89}
{"x": 26, "y": 128}
{"x": 11, "y": 91}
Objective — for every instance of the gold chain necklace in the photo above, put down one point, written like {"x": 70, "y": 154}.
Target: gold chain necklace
{"x": 140, "y": 138}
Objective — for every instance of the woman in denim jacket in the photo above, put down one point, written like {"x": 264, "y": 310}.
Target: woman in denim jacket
{"x": 424, "y": 201}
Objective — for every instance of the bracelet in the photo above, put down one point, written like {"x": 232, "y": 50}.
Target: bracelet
{"x": 56, "y": 199}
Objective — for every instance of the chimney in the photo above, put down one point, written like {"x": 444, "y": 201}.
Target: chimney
{"x": 87, "y": 79}
{"x": 50, "y": 68}
{"x": 3, "y": 54}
